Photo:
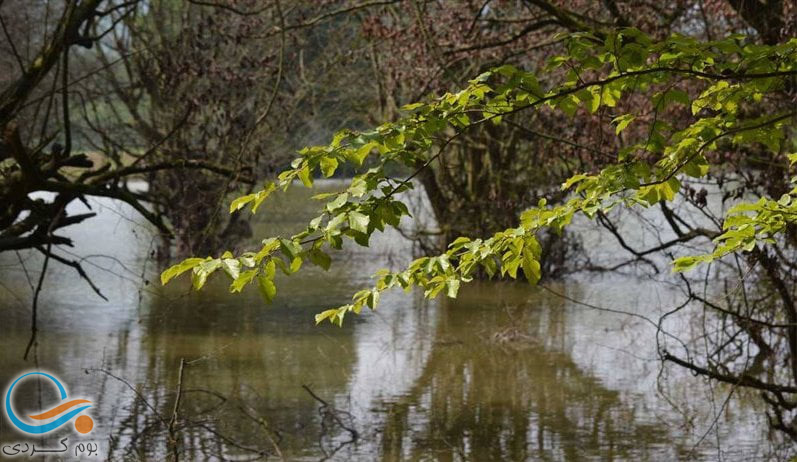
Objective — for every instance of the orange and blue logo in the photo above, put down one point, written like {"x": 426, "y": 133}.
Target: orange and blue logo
{"x": 54, "y": 418}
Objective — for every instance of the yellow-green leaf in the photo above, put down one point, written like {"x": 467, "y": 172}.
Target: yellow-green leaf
{"x": 358, "y": 221}
{"x": 622, "y": 122}
{"x": 179, "y": 269}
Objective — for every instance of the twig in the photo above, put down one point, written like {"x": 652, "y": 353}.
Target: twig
{"x": 35, "y": 305}
{"x": 175, "y": 412}
{"x": 77, "y": 267}
{"x": 742, "y": 380}
{"x": 133, "y": 389}
{"x": 13, "y": 47}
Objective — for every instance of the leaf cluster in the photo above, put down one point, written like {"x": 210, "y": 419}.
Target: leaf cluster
{"x": 736, "y": 78}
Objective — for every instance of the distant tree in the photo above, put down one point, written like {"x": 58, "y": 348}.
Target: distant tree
{"x": 96, "y": 93}
{"x": 200, "y": 98}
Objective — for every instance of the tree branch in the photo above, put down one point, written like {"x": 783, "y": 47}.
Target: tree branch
{"x": 742, "y": 380}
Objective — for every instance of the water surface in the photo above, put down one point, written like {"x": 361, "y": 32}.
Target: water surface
{"x": 504, "y": 372}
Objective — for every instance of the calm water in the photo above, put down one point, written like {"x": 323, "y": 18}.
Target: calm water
{"x": 505, "y": 372}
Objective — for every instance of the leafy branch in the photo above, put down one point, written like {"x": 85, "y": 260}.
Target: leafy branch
{"x": 596, "y": 72}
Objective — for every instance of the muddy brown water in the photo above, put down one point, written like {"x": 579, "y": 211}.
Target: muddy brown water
{"x": 504, "y": 372}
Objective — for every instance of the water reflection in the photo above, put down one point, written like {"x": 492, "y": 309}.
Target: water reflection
{"x": 506, "y": 396}
{"x": 505, "y": 372}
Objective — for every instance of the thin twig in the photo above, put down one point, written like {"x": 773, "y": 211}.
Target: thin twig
{"x": 35, "y": 305}
{"x": 175, "y": 413}
{"x": 13, "y": 47}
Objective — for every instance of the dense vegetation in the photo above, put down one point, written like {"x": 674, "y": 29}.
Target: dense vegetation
{"x": 514, "y": 117}
{"x": 736, "y": 104}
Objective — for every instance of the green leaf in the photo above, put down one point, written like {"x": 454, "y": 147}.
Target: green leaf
{"x": 411, "y": 107}
{"x": 269, "y": 246}
{"x": 697, "y": 167}
{"x": 328, "y": 314}
{"x": 262, "y": 195}
{"x": 296, "y": 264}
{"x": 573, "y": 180}
{"x": 373, "y": 299}
{"x": 322, "y": 196}
{"x": 266, "y": 287}
{"x": 306, "y": 176}
{"x": 248, "y": 259}
{"x": 590, "y": 98}
{"x": 241, "y": 202}
{"x": 357, "y": 156}
{"x": 270, "y": 269}
{"x": 320, "y": 258}
{"x": 339, "y": 137}
{"x": 198, "y": 278}
{"x": 328, "y": 166}
{"x": 622, "y": 122}
{"x": 684, "y": 264}
{"x": 358, "y": 221}
{"x": 179, "y": 269}
{"x": 244, "y": 279}
{"x": 203, "y": 270}
{"x": 265, "y": 282}
{"x": 337, "y": 202}
{"x": 231, "y": 266}
{"x": 361, "y": 238}
{"x": 358, "y": 187}
{"x": 452, "y": 286}
{"x": 531, "y": 267}
{"x": 610, "y": 95}
{"x": 290, "y": 248}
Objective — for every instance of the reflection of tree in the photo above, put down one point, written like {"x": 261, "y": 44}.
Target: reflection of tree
{"x": 511, "y": 400}
{"x": 249, "y": 365}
